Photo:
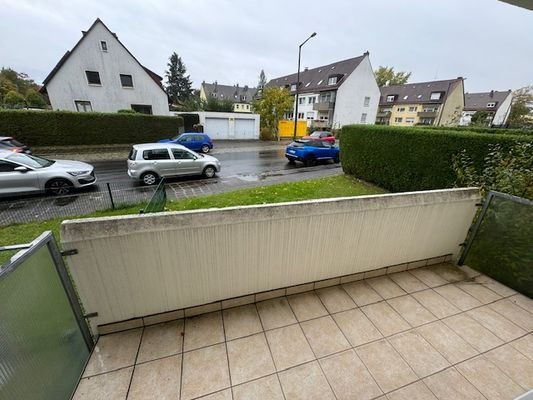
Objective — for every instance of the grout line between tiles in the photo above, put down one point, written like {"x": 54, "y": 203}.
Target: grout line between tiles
{"x": 182, "y": 356}
{"x": 135, "y": 362}
{"x": 227, "y": 353}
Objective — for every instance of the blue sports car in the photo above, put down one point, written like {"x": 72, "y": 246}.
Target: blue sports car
{"x": 192, "y": 140}
{"x": 311, "y": 151}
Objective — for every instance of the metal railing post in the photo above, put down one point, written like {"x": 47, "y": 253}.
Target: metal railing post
{"x": 110, "y": 195}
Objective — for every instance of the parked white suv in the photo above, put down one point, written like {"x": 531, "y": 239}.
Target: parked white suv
{"x": 151, "y": 161}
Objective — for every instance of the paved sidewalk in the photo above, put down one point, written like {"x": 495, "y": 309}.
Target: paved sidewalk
{"x": 120, "y": 151}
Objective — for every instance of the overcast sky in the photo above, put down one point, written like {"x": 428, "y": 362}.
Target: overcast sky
{"x": 486, "y": 41}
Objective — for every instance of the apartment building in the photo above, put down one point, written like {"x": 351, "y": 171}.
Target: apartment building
{"x": 240, "y": 96}
{"x": 496, "y": 104}
{"x": 438, "y": 103}
{"x": 333, "y": 95}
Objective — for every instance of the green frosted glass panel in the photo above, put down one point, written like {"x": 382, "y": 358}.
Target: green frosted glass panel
{"x": 42, "y": 350}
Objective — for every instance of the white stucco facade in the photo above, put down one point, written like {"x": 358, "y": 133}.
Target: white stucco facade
{"x": 350, "y": 99}
{"x": 69, "y": 84}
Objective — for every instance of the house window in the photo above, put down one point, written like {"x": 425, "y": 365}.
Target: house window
{"x": 103, "y": 45}
{"x": 435, "y": 96}
{"x": 363, "y": 118}
{"x": 409, "y": 120}
{"x": 290, "y": 115}
{"x": 401, "y": 109}
{"x": 142, "y": 108}
{"x": 398, "y": 119}
{"x": 405, "y": 97}
{"x": 413, "y": 108}
{"x": 310, "y": 115}
{"x": 247, "y": 106}
{"x": 431, "y": 109}
{"x": 300, "y": 115}
{"x": 332, "y": 80}
{"x": 126, "y": 81}
{"x": 301, "y": 100}
{"x": 320, "y": 82}
{"x": 293, "y": 87}
{"x": 366, "y": 102}
{"x": 312, "y": 100}
{"x": 491, "y": 105}
{"x": 83, "y": 106}
{"x": 93, "y": 77}
{"x": 236, "y": 106}
{"x": 390, "y": 98}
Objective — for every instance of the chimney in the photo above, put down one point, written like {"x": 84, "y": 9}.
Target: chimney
{"x": 491, "y": 94}
{"x": 366, "y": 53}
{"x": 306, "y": 68}
{"x": 216, "y": 86}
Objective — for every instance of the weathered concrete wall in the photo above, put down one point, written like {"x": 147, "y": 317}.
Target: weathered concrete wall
{"x": 139, "y": 265}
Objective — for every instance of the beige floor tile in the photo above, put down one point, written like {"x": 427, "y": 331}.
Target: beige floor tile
{"x": 203, "y": 330}
{"x": 307, "y": 306}
{"x": 428, "y": 277}
{"x": 111, "y": 386}
{"x": 479, "y": 291}
{"x": 418, "y": 353}
{"x": 473, "y": 332}
{"x": 222, "y": 395}
{"x": 161, "y": 340}
{"x": 525, "y": 345}
{"x": 159, "y": 379}
{"x": 305, "y": 382}
{"x": 408, "y": 282}
{"x": 324, "y": 336}
{"x": 349, "y": 377}
{"x": 515, "y": 365}
{"x": 275, "y": 313}
{"x": 514, "y": 313}
{"x": 114, "y": 351}
{"x": 264, "y": 388}
{"x": 522, "y": 301}
{"x": 385, "y": 287}
{"x": 411, "y": 310}
{"x": 494, "y": 322}
{"x": 495, "y": 286}
{"x": 362, "y": 293}
{"x": 204, "y": 371}
{"x": 241, "y": 321}
{"x": 489, "y": 380}
{"x": 289, "y": 347}
{"x": 357, "y": 327}
{"x": 415, "y": 391}
{"x": 449, "y": 272}
{"x": 249, "y": 358}
{"x": 458, "y": 297}
{"x": 335, "y": 299}
{"x": 385, "y": 318}
{"x": 451, "y": 385}
{"x": 447, "y": 342}
{"x": 386, "y": 366}
{"x": 434, "y": 302}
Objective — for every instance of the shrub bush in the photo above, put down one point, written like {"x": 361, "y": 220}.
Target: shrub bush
{"x": 266, "y": 134}
{"x": 53, "y": 128}
{"x": 405, "y": 159}
{"x": 481, "y": 129}
{"x": 189, "y": 121}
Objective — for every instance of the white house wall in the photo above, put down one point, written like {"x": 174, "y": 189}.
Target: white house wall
{"x": 349, "y": 103}
{"x": 138, "y": 265}
{"x": 70, "y": 83}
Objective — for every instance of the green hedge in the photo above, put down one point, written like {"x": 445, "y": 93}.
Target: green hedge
{"x": 410, "y": 159}
{"x": 480, "y": 129}
{"x": 53, "y": 128}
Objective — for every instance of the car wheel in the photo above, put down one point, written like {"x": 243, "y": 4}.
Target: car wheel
{"x": 209, "y": 171}
{"x": 149, "y": 178}
{"x": 291, "y": 161}
{"x": 205, "y": 149}
{"x": 59, "y": 187}
{"x": 310, "y": 161}
{"x": 337, "y": 160}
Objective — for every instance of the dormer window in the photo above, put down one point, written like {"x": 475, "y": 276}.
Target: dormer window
{"x": 332, "y": 80}
{"x": 320, "y": 82}
{"x": 491, "y": 105}
{"x": 435, "y": 96}
{"x": 390, "y": 98}
{"x": 103, "y": 45}
{"x": 293, "y": 87}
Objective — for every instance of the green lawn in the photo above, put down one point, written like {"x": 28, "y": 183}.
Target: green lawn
{"x": 336, "y": 186}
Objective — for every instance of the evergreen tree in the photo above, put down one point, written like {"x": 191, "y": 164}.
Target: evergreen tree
{"x": 262, "y": 80}
{"x": 178, "y": 84}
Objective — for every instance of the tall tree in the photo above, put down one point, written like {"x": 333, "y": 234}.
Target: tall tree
{"x": 273, "y": 103}
{"x": 385, "y": 76}
{"x": 178, "y": 85}
{"x": 17, "y": 89}
{"x": 262, "y": 80}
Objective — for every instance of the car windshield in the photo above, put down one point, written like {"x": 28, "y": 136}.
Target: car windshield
{"x": 30, "y": 161}
{"x": 11, "y": 142}
{"x": 316, "y": 134}
{"x": 177, "y": 137}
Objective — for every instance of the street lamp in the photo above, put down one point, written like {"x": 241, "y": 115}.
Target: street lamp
{"x": 298, "y": 84}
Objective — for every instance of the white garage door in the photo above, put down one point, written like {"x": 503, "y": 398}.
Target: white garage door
{"x": 244, "y": 129}
{"x": 217, "y": 128}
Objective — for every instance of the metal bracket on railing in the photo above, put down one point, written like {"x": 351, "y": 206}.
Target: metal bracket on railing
{"x": 71, "y": 252}
{"x": 15, "y": 247}
{"x": 91, "y": 315}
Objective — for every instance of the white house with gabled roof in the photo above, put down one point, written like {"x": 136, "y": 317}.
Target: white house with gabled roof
{"x": 100, "y": 74}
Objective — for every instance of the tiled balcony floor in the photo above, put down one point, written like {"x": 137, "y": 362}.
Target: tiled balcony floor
{"x": 432, "y": 333}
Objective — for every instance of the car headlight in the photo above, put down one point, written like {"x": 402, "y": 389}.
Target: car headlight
{"x": 78, "y": 173}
